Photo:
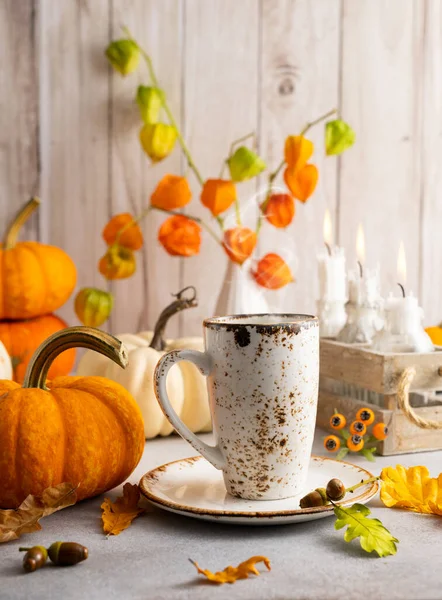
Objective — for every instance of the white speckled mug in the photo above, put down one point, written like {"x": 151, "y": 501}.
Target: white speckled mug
{"x": 263, "y": 373}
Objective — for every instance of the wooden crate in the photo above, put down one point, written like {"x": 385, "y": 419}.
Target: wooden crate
{"x": 352, "y": 376}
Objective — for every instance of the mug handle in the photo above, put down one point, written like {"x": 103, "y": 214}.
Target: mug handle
{"x": 203, "y": 362}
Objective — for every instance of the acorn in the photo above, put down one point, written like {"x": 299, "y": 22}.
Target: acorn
{"x": 316, "y": 498}
{"x": 335, "y": 490}
{"x": 65, "y": 554}
{"x": 34, "y": 558}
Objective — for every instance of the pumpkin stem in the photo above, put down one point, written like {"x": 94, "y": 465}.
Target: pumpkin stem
{"x": 11, "y": 235}
{"x": 72, "y": 337}
{"x": 181, "y": 303}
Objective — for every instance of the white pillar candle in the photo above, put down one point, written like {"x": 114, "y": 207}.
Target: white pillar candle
{"x": 332, "y": 284}
{"x": 365, "y": 302}
{"x": 403, "y": 330}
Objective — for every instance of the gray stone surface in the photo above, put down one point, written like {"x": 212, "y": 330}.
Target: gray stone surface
{"x": 309, "y": 560}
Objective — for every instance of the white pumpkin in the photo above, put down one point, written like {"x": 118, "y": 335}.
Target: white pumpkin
{"x": 5, "y": 363}
{"x": 186, "y": 386}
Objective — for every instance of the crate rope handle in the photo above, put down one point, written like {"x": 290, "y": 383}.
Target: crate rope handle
{"x": 403, "y": 397}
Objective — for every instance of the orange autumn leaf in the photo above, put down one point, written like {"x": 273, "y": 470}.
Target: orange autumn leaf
{"x": 118, "y": 263}
{"x": 279, "y": 209}
{"x": 118, "y": 515}
{"x": 171, "y": 192}
{"x": 232, "y": 574}
{"x": 218, "y": 195}
{"x": 239, "y": 243}
{"x": 272, "y": 272}
{"x": 297, "y": 151}
{"x": 123, "y": 229}
{"x": 301, "y": 182}
{"x": 180, "y": 236}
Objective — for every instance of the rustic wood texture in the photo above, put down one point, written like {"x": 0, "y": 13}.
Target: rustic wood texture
{"x": 19, "y": 161}
{"x": 299, "y": 82}
{"x": 74, "y": 133}
{"x": 69, "y": 132}
{"x": 380, "y": 177}
{"x": 431, "y": 179}
{"x": 220, "y": 106}
{"x": 375, "y": 371}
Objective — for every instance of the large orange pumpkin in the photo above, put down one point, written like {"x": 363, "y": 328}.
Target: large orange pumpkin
{"x": 87, "y": 431}
{"x": 35, "y": 279}
{"x": 22, "y": 338}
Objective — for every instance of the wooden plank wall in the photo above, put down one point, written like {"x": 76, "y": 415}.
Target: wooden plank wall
{"x": 69, "y": 131}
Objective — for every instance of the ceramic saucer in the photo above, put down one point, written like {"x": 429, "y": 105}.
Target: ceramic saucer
{"x": 194, "y": 488}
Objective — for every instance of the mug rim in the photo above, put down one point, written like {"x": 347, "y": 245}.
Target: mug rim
{"x": 288, "y": 320}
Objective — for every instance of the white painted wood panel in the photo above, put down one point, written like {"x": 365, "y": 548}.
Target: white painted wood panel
{"x": 157, "y": 27}
{"x": 300, "y": 67}
{"x": 220, "y": 105}
{"x": 19, "y": 176}
{"x": 431, "y": 187}
{"x": 380, "y": 177}
{"x": 74, "y": 93}
{"x": 69, "y": 131}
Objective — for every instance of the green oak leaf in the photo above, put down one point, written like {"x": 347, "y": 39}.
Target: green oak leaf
{"x": 374, "y": 537}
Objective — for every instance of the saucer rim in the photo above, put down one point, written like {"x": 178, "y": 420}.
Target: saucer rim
{"x": 152, "y": 476}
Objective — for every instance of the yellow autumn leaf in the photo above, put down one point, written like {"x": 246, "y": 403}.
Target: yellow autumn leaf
{"x": 232, "y": 574}
{"x": 118, "y": 515}
{"x": 412, "y": 489}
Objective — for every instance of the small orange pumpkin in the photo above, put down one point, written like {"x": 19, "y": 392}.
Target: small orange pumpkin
{"x": 87, "y": 431}
{"x": 22, "y": 338}
{"x": 35, "y": 279}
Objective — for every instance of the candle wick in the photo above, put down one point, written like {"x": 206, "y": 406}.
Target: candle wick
{"x": 361, "y": 269}
{"x": 328, "y": 248}
{"x": 403, "y": 289}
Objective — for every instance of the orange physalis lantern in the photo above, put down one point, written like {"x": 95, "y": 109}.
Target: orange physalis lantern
{"x": 125, "y": 231}
{"x": 180, "y": 236}
{"x": 239, "y": 243}
{"x": 301, "y": 182}
{"x": 297, "y": 151}
{"x": 171, "y": 192}
{"x": 218, "y": 195}
{"x": 117, "y": 263}
{"x": 272, "y": 272}
{"x": 279, "y": 209}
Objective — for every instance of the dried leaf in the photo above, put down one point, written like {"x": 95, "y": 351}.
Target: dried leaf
{"x": 118, "y": 515}
{"x": 13, "y": 523}
{"x": 374, "y": 537}
{"x": 412, "y": 489}
{"x": 232, "y": 574}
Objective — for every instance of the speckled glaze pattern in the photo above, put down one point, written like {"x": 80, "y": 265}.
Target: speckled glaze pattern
{"x": 263, "y": 373}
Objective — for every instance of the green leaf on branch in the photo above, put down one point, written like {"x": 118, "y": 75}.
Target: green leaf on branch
{"x": 339, "y": 136}
{"x": 368, "y": 454}
{"x": 345, "y": 434}
{"x": 373, "y": 536}
{"x": 342, "y": 453}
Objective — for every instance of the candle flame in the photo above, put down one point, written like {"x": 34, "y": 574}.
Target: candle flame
{"x": 402, "y": 265}
{"x": 328, "y": 229}
{"x": 360, "y": 244}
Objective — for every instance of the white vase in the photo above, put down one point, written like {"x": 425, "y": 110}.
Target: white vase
{"x": 240, "y": 294}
